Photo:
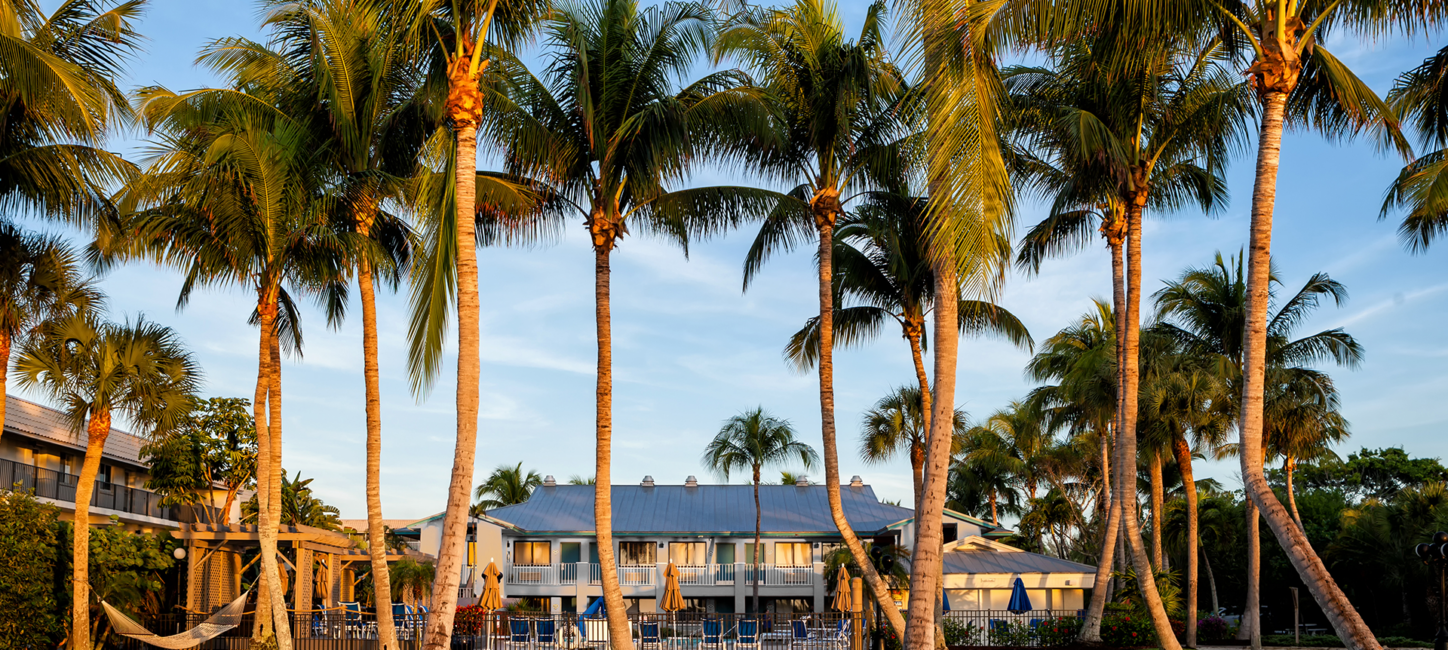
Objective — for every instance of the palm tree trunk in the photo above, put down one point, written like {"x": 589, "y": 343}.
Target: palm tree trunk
{"x": 1189, "y": 489}
{"x": 1289, "y": 467}
{"x": 827, "y": 430}
{"x": 1211, "y": 582}
{"x": 97, "y": 429}
{"x": 376, "y": 536}
{"x": 618, "y": 629}
{"x": 5, "y": 344}
{"x": 454, "y": 524}
{"x": 271, "y": 605}
{"x": 994, "y": 516}
{"x": 925, "y": 561}
{"x": 917, "y": 451}
{"x": 758, "y": 526}
{"x": 1251, "y": 629}
{"x": 1127, "y": 439}
{"x": 1091, "y": 627}
{"x": 1344, "y": 618}
{"x": 1158, "y": 501}
{"x": 278, "y": 501}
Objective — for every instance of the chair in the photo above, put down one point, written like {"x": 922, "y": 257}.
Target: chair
{"x": 997, "y": 626}
{"x": 747, "y": 635}
{"x": 352, "y": 618}
{"x": 649, "y": 634}
{"x": 799, "y": 632}
{"x": 545, "y": 632}
{"x": 519, "y": 632}
{"x": 713, "y": 635}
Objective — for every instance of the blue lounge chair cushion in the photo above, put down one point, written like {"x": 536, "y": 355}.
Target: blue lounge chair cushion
{"x": 649, "y": 632}
{"x": 519, "y": 631}
{"x": 801, "y": 632}
{"x": 545, "y": 631}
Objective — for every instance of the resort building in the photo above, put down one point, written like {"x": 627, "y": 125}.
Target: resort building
{"x": 39, "y": 451}
{"x": 546, "y": 550}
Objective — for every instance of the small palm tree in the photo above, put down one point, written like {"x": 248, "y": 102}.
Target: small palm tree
{"x": 898, "y": 423}
{"x": 40, "y": 280}
{"x": 1417, "y": 98}
{"x": 506, "y": 486}
{"x": 750, "y": 441}
{"x": 99, "y": 370}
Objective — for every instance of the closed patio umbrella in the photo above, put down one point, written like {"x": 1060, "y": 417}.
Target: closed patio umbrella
{"x": 842, "y": 592}
{"x": 492, "y": 593}
{"x": 673, "y": 599}
{"x": 1020, "y": 602}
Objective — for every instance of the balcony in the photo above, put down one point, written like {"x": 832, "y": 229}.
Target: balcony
{"x": 51, "y": 484}
{"x": 768, "y": 575}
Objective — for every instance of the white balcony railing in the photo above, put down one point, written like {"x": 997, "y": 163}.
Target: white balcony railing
{"x": 549, "y": 575}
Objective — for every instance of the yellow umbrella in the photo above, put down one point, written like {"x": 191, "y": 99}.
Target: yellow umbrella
{"x": 842, "y": 600}
{"x": 492, "y": 594}
{"x": 673, "y": 599}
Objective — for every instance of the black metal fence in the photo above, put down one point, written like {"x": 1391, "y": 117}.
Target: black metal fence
{"x": 1037, "y": 628}
{"x": 51, "y": 484}
{"x": 338, "y": 630}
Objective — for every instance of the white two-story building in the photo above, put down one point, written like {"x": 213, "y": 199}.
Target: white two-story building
{"x": 546, "y": 547}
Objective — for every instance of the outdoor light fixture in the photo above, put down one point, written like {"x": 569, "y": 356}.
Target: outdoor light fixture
{"x": 179, "y": 553}
{"x": 1435, "y": 554}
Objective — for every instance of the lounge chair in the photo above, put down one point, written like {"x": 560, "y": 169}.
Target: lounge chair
{"x": 713, "y": 635}
{"x": 545, "y": 632}
{"x": 649, "y": 635}
{"x": 519, "y": 632}
{"x": 352, "y": 617}
{"x": 747, "y": 635}
{"x": 799, "y": 633}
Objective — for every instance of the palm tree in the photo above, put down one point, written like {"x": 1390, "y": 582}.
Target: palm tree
{"x": 752, "y": 440}
{"x": 897, "y": 423}
{"x": 456, "y": 40}
{"x": 1303, "y": 420}
{"x": 882, "y": 265}
{"x": 99, "y": 370}
{"x": 298, "y": 506}
{"x": 232, "y": 195}
{"x": 1298, "y": 80}
{"x": 1417, "y": 98}
{"x": 1158, "y": 127}
{"x": 349, "y": 77}
{"x": 842, "y": 110}
{"x": 988, "y": 467}
{"x": 1206, "y": 311}
{"x": 608, "y": 133}
{"x": 59, "y": 95}
{"x": 40, "y": 280}
{"x": 1183, "y": 400}
{"x": 506, "y": 486}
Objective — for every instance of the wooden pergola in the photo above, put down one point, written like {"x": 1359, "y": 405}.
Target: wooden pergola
{"x": 214, "y": 567}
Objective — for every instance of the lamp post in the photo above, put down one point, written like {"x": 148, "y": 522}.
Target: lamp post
{"x": 1435, "y": 554}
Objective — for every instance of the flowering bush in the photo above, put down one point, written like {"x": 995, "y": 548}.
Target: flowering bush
{"x": 957, "y": 633}
{"x": 470, "y": 620}
{"x": 1213, "y": 629}
{"x": 1058, "y": 631}
{"x": 1127, "y": 629}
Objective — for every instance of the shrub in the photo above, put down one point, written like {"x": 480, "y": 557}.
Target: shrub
{"x": 1125, "y": 629}
{"x": 957, "y": 633}
{"x": 1402, "y": 642}
{"x": 28, "y": 544}
{"x": 1213, "y": 629}
{"x": 470, "y": 620}
{"x": 887, "y": 634}
{"x": 1058, "y": 631}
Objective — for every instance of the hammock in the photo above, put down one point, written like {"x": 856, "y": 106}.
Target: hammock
{"x": 224, "y": 619}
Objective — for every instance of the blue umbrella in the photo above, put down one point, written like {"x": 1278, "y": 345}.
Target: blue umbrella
{"x": 944, "y": 601}
{"x": 596, "y": 610}
{"x": 1019, "y": 601}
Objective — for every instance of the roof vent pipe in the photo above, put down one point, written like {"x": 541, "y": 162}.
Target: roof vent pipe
{"x": 802, "y": 481}
{"x": 549, "y": 482}
{"x": 691, "y": 481}
{"x": 648, "y": 481}
{"x": 856, "y": 481}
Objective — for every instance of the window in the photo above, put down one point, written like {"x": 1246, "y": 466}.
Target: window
{"x": 792, "y": 554}
{"x": 571, "y": 553}
{"x": 724, "y": 554}
{"x": 104, "y": 477}
{"x": 951, "y": 532}
{"x": 687, "y": 553}
{"x": 532, "y": 553}
{"x": 637, "y": 553}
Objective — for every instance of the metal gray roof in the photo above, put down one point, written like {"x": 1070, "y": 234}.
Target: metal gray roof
{"x": 30, "y": 419}
{"x": 705, "y": 509}
{"x": 1006, "y": 562}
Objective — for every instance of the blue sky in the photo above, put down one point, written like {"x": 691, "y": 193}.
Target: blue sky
{"x": 691, "y": 349}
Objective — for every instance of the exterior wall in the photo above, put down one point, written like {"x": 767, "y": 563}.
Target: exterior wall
{"x": 999, "y": 599}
